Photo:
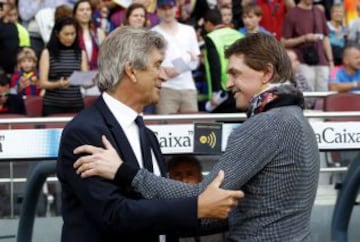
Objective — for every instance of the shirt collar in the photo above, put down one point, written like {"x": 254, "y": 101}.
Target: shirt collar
{"x": 123, "y": 113}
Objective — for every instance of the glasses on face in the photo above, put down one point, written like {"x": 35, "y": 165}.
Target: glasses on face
{"x": 2, "y": 6}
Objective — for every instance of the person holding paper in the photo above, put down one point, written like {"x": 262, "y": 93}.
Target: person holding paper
{"x": 58, "y": 61}
{"x": 178, "y": 93}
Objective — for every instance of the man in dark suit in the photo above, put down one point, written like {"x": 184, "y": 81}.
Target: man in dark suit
{"x": 95, "y": 209}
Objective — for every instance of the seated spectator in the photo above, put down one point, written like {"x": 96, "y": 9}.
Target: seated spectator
{"x": 299, "y": 79}
{"x": 187, "y": 168}
{"x": 9, "y": 103}
{"x": 337, "y": 32}
{"x": 348, "y": 77}
{"x": 251, "y": 17}
{"x": 25, "y": 80}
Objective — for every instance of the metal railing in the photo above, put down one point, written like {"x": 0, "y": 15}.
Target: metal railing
{"x": 175, "y": 117}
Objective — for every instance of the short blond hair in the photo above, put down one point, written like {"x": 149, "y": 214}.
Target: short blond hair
{"x": 26, "y": 53}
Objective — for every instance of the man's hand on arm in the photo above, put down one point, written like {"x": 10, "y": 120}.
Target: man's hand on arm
{"x": 103, "y": 162}
{"x": 215, "y": 202}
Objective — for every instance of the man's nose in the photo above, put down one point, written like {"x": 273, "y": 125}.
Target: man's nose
{"x": 229, "y": 83}
{"x": 162, "y": 74}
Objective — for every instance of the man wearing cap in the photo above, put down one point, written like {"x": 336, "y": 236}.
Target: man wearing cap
{"x": 178, "y": 93}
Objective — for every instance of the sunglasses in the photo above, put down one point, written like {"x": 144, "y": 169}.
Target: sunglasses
{"x": 1, "y": 6}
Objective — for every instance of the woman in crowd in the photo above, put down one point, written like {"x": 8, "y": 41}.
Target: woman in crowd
{"x": 58, "y": 61}
{"x": 136, "y": 16}
{"x": 89, "y": 37}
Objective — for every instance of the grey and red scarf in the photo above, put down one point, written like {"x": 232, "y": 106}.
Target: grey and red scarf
{"x": 275, "y": 95}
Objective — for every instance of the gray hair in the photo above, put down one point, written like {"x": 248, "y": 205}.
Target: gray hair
{"x": 125, "y": 45}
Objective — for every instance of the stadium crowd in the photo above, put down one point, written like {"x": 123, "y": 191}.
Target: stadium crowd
{"x": 43, "y": 42}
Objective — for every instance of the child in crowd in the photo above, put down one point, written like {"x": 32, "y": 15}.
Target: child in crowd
{"x": 251, "y": 17}
{"x": 102, "y": 20}
{"x": 227, "y": 16}
{"x": 25, "y": 80}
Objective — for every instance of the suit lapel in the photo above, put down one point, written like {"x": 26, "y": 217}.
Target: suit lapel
{"x": 122, "y": 144}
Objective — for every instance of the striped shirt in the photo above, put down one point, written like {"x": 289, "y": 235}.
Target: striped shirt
{"x": 67, "y": 62}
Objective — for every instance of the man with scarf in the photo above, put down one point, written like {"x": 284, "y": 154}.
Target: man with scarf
{"x": 273, "y": 156}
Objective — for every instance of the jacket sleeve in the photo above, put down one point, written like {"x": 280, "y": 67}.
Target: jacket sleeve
{"x": 105, "y": 202}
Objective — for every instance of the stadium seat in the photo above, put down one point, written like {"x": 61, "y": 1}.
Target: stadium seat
{"x": 33, "y": 106}
{"x": 89, "y": 100}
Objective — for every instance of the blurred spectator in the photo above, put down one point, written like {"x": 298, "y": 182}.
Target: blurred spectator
{"x": 89, "y": 36}
{"x": 9, "y": 46}
{"x": 273, "y": 15}
{"x": 337, "y": 33}
{"x": 227, "y": 16}
{"x": 3, "y": 8}
{"x": 187, "y": 168}
{"x": 351, "y": 8}
{"x": 62, "y": 11}
{"x": 59, "y": 60}
{"x": 178, "y": 93}
{"x": 136, "y": 16}
{"x": 306, "y": 32}
{"x": 198, "y": 12}
{"x": 324, "y": 5}
{"x": 9, "y": 103}
{"x": 12, "y": 16}
{"x": 102, "y": 21}
{"x": 348, "y": 77}
{"x": 216, "y": 41}
{"x": 184, "y": 9}
{"x": 299, "y": 80}
{"x": 118, "y": 16}
{"x": 354, "y": 28}
{"x": 25, "y": 80}
{"x": 251, "y": 17}
{"x": 44, "y": 8}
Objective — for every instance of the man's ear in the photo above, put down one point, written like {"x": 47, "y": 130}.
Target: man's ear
{"x": 130, "y": 71}
{"x": 268, "y": 73}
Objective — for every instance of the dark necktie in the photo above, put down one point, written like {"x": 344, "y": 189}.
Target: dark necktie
{"x": 145, "y": 144}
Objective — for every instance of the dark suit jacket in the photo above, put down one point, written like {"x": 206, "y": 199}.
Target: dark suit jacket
{"x": 95, "y": 209}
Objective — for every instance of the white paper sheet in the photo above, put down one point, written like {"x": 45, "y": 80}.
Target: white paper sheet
{"x": 82, "y": 78}
{"x": 180, "y": 65}
{"x": 123, "y": 3}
